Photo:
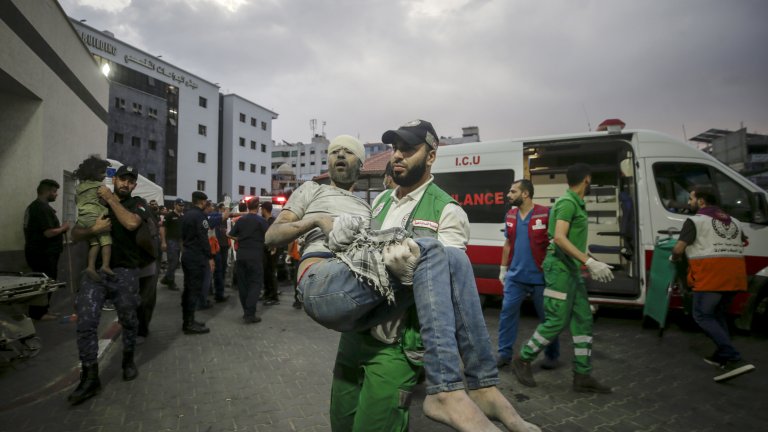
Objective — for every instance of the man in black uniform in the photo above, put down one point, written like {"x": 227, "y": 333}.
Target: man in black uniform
{"x": 271, "y": 295}
{"x": 125, "y": 217}
{"x": 196, "y": 258}
{"x": 43, "y": 234}
{"x": 249, "y": 234}
{"x": 170, "y": 239}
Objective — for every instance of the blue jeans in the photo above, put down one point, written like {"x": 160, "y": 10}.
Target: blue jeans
{"x": 448, "y": 306}
{"x": 514, "y": 294}
{"x": 709, "y": 310}
{"x": 173, "y": 251}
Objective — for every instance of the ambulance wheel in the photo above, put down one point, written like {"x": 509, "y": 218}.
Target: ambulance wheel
{"x": 31, "y": 346}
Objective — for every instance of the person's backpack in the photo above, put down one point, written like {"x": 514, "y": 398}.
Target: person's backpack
{"x": 148, "y": 237}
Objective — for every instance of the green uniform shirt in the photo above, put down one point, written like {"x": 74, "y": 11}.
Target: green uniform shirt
{"x": 572, "y": 209}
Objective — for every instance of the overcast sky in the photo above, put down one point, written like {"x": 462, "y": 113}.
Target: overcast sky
{"x": 512, "y": 68}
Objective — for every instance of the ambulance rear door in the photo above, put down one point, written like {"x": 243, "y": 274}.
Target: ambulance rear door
{"x": 478, "y": 176}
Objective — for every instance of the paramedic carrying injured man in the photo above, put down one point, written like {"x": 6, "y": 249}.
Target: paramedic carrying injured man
{"x": 714, "y": 243}
{"x": 565, "y": 296}
{"x": 339, "y": 299}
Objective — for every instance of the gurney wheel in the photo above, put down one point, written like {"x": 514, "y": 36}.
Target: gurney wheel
{"x": 31, "y": 346}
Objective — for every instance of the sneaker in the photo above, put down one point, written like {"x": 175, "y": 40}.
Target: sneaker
{"x": 271, "y": 302}
{"x": 108, "y": 306}
{"x": 734, "y": 368}
{"x": 550, "y": 363}
{"x": 222, "y": 299}
{"x": 522, "y": 370}
{"x": 501, "y": 362}
{"x": 714, "y": 361}
{"x": 297, "y": 305}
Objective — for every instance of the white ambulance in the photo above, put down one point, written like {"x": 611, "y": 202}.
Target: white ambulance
{"x": 640, "y": 185}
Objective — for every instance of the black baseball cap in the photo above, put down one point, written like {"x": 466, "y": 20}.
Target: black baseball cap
{"x": 127, "y": 170}
{"x": 179, "y": 201}
{"x": 414, "y": 133}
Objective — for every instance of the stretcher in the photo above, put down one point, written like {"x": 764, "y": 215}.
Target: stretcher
{"x": 662, "y": 278}
{"x": 17, "y": 331}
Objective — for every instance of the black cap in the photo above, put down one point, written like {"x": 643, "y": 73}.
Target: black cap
{"x": 413, "y": 133}
{"x": 127, "y": 170}
{"x": 179, "y": 201}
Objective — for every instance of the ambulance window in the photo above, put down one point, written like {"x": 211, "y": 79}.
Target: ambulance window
{"x": 675, "y": 180}
{"x": 482, "y": 194}
{"x": 734, "y": 199}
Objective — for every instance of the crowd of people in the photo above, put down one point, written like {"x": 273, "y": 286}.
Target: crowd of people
{"x": 392, "y": 276}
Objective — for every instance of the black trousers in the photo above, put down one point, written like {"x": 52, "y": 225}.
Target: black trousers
{"x": 41, "y": 262}
{"x": 148, "y": 298}
{"x": 270, "y": 276}
{"x": 194, "y": 272}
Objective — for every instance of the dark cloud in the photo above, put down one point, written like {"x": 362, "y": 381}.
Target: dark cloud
{"x": 511, "y": 68}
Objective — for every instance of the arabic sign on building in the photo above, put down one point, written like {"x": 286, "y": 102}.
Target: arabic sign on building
{"x": 149, "y": 64}
{"x": 98, "y": 44}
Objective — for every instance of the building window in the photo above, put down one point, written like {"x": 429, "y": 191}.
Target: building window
{"x": 152, "y": 145}
{"x": 201, "y": 185}
{"x": 303, "y": 164}
{"x": 312, "y": 163}
{"x": 253, "y": 121}
{"x": 241, "y": 190}
{"x": 293, "y": 164}
{"x": 137, "y": 108}
{"x": 120, "y": 103}
{"x": 202, "y": 130}
{"x": 294, "y": 153}
{"x": 263, "y": 125}
{"x": 201, "y": 157}
{"x": 152, "y": 112}
{"x": 325, "y": 162}
{"x": 263, "y": 169}
{"x": 311, "y": 151}
{"x": 203, "y": 102}
{"x": 253, "y": 145}
{"x": 242, "y": 142}
{"x": 241, "y": 165}
{"x": 118, "y": 139}
{"x": 152, "y": 177}
{"x": 253, "y": 168}
{"x": 253, "y": 190}
{"x": 135, "y": 142}
{"x": 242, "y": 118}
{"x": 263, "y": 148}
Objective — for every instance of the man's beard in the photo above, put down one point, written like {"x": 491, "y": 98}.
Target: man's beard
{"x": 412, "y": 175}
{"x": 346, "y": 177}
{"x": 517, "y": 203}
{"x": 122, "y": 194}
{"x": 51, "y": 198}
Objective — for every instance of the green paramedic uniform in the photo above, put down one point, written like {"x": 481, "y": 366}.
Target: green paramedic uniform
{"x": 373, "y": 381}
{"x": 565, "y": 296}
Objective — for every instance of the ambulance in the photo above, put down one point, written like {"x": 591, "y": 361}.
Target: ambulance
{"x": 640, "y": 185}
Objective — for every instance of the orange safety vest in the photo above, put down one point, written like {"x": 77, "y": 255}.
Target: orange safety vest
{"x": 716, "y": 258}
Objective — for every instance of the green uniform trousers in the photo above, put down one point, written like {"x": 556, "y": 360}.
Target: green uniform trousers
{"x": 372, "y": 385}
{"x": 565, "y": 301}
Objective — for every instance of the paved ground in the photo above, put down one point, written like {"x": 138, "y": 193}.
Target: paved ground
{"x": 275, "y": 376}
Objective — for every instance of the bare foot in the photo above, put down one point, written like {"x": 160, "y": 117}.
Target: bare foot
{"x": 107, "y": 270}
{"x": 457, "y": 410}
{"x": 92, "y": 275}
{"x": 497, "y": 407}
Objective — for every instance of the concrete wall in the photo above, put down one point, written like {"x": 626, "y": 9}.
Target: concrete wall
{"x": 46, "y": 126}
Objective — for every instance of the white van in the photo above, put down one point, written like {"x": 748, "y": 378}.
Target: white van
{"x": 629, "y": 209}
